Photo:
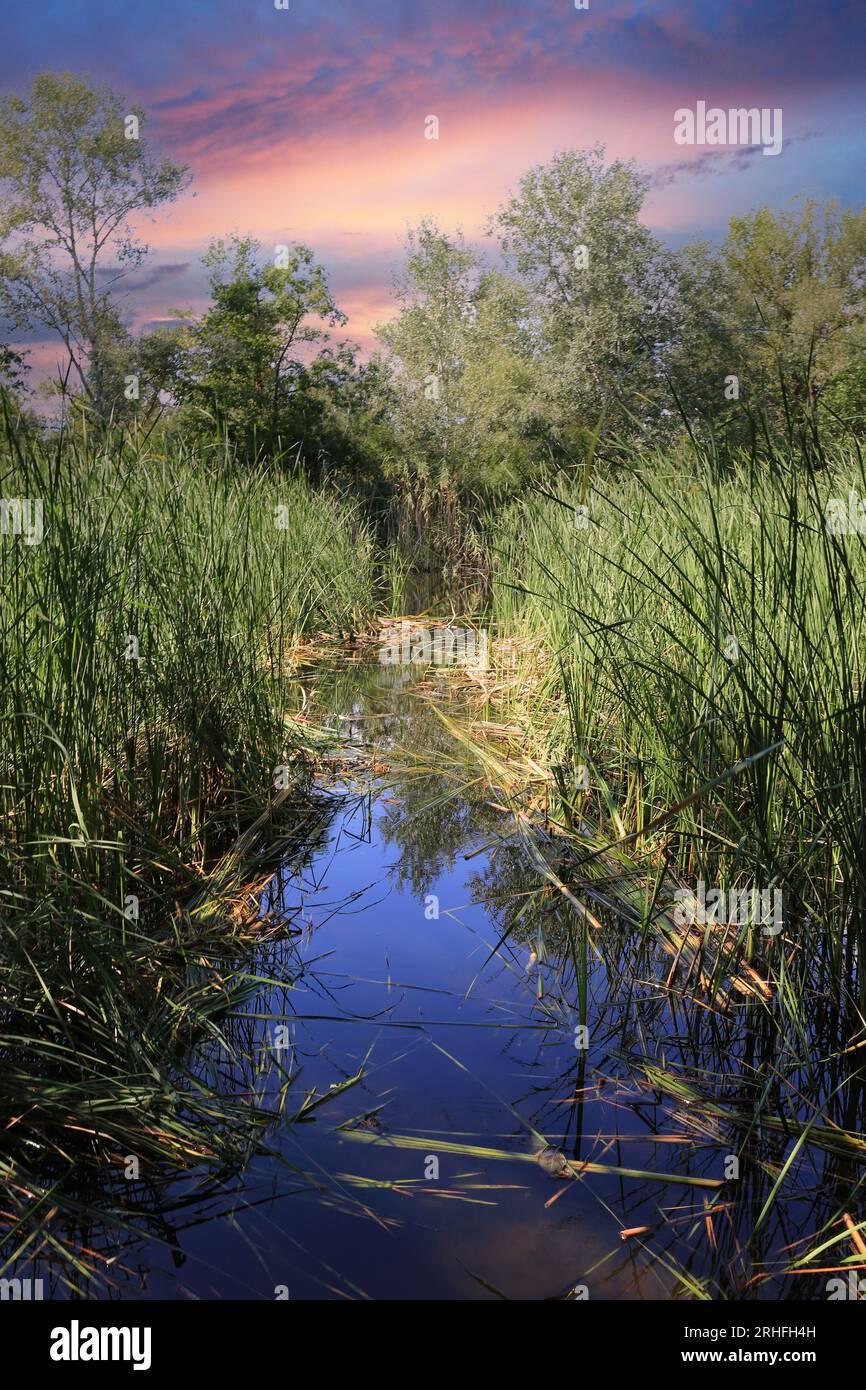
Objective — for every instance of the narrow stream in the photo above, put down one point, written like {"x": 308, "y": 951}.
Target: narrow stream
{"x": 423, "y": 1019}
{"x": 401, "y": 982}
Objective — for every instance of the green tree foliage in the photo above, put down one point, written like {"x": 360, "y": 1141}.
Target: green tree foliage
{"x": 490, "y": 375}
{"x": 487, "y": 374}
{"x": 258, "y": 363}
{"x": 13, "y": 368}
{"x": 463, "y": 393}
{"x": 782, "y": 306}
{"x": 600, "y": 288}
{"x": 75, "y": 171}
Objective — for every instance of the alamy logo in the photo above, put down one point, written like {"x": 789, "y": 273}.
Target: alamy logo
{"x": 851, "y": 1288}
{"x": 438, "y": 646}
{"x": 21, "y": 1290}
{"x": 738, "y": 907}
{"x": 738, "y": 126}
{"x": 77, "y": 1343}
{"x": 846, "y": 516}
{"x": 21, "y": 516}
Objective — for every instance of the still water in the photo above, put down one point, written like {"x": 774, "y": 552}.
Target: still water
{"x": 429, "y": 1040}
{"x": 398, "y": 978}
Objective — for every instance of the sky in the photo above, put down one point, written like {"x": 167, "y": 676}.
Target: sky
{"x": 307, "y": 123}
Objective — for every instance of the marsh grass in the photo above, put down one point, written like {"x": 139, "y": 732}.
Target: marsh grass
{"x": 150, "y": 782}
{"x": 146, "y": 703}
{"x": 676, "y": 694}
{"x": 703, "y": 640}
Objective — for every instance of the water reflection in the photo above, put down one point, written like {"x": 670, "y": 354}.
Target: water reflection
{"x": 439, "y": 1029}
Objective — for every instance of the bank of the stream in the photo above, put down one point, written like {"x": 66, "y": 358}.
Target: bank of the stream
{"x": 325, "y": 974}
{"x": 462, "y": 1087}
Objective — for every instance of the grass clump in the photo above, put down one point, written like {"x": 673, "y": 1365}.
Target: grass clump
{"x": 701, "y": 688}
{"x": 146, "y": 723}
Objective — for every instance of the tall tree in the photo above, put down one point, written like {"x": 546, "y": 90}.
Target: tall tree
{"x": 259, "y": 359}
{"x": 461, "y": 370}
{"x": 601, "y": 285}
{"x": 775, "y": 318}
{"x": 428, "y": 344}
{"x": 75, "y": 171}
{"x": 797, "y": 297}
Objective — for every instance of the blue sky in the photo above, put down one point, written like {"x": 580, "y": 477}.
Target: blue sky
{"x": 308, "y": 123}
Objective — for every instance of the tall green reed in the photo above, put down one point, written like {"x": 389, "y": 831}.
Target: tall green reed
{"x": 703, "y": 632}
{"x": 145, "y": 707}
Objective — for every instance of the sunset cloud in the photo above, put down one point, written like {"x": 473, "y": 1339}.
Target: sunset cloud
{"x": 308, "y": 124}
